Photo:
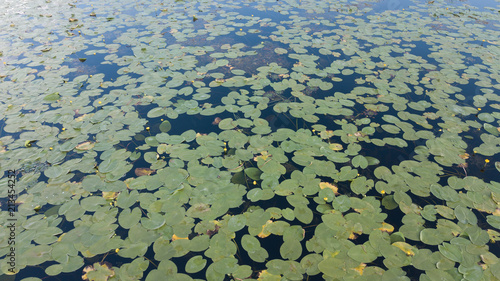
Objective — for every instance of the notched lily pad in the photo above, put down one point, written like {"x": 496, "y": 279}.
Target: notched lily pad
{"x": 52, "y": 97}
{"x": 253, "y": 173}
{"x": 195, "y": 264}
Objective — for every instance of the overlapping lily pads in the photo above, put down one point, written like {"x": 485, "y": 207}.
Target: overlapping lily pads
{"x": 327, "y": 140}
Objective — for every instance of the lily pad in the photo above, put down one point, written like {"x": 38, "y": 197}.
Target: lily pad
{"x": 165, "y": 126}
{"x": 195, "y": 264}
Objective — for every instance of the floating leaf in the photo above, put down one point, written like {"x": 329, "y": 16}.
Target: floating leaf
{"x": 291, "y": 249}
{"x": 244, "y": 142}
{"x": 236, "y": 222}
{"x": 333, "y": 187}
{"x": 156, "y": 112}
{"x": 431, "y": 236}
{"x": 363, "y": 253}
{"x": 98, "y": 271}
{"x": 303, "y": 214}
{"x": 252, "y": 246}
{"x": 227, "y": 124}
{"x": 465, "y": 215}
{"x": 253, "y": 173}
{"x": 195, "y": 264}
{"x": 154, "y": 221}
{"x": 280, "y": 51}
{"x": 132, "y": 250}
{"x": 52, "y": 97}
{"x": 54, "y": 269}
{"x": 405, "y": 247}
{"x": 36, "y": 255}
{"x": 450, "y": 251}
{"x": 226, "y": 265}
{"x": 55, "y": 171}
{"x": 361, "y": 185}
{"x": 85, "y": 146}
{"x": 143, "y": 171}
{"x": 332, "y": 267}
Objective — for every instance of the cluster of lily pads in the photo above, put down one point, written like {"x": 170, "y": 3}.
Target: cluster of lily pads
{"x": 309, "y": 140}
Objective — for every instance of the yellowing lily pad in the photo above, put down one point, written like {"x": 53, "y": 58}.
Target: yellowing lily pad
{"x": 85, "y": 146}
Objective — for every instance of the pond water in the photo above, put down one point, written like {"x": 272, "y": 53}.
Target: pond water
{"x": 234, "y": 140}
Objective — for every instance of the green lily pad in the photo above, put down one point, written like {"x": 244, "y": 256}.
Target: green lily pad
{"x": 156, "y": 112}
{"x": 332, "y": 267}
{"x": 165, "y": 126}
{"x": 37, "y": 254}
{"x": 195, "y": 264}
{"x": 291, "y": 249}
{"x": 303, "y": 214}
{"x": 363, "y": 253}
{"x": 128, "y": 218}
{"x": 227, "y": 124}
{"x": 52, "y": 97}
{"x": 154, "y": 221}
{"x": 54, "y": 269}
{"x": 237, "y": 222}
{"x": 253, "y": 248}
{"x": 253, "y": 173}
{"x": 360, "y": 161}
{"x": 450, "y": 251}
